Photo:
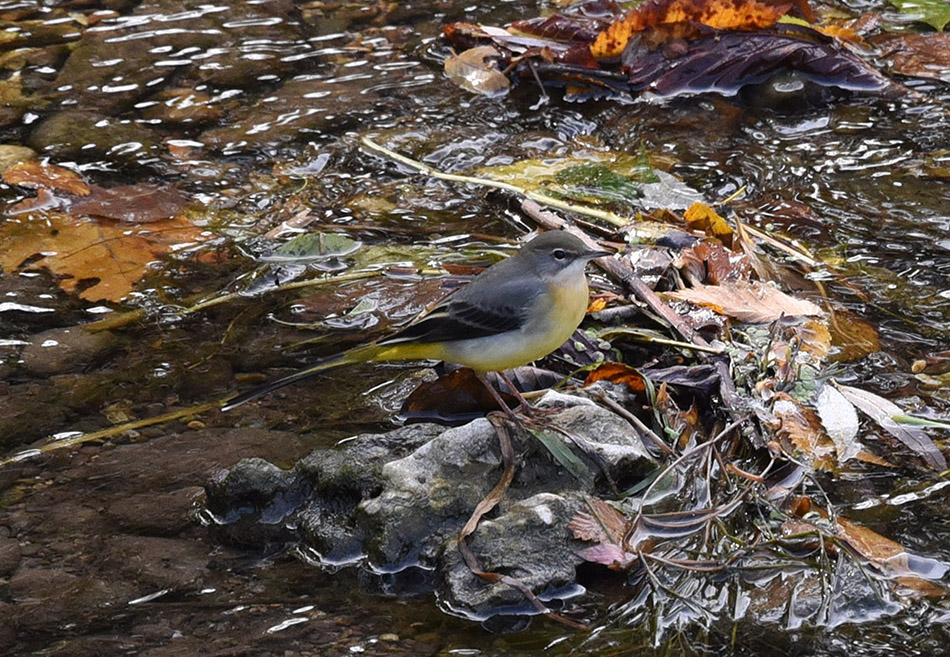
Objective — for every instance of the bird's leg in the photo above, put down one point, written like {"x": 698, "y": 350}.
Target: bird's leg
{"x": 497, "y": 396}
{"x": 523, "y": 404}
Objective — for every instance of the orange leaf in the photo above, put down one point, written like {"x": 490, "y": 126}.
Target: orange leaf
{"x": 617, "y": 373}
{"x": 719, "y": 14}
{"x": 701, "y": 217}
{"x": 37, "y": 174}
{"x": 107, "y": 258}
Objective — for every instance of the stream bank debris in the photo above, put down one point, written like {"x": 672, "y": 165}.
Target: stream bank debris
{"x": 593, "y": 49}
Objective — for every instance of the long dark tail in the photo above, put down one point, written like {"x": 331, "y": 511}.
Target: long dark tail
{"x": 357, "y": 355}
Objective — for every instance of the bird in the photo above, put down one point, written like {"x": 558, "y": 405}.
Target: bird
{"x": 513, "y": 313}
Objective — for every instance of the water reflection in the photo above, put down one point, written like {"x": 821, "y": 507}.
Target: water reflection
{"x": 218, "y": 99}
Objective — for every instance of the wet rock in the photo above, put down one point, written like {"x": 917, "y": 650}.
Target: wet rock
{"x": 530, "y": 542}
{"x": 7, "y": 629}
{"x": 9, "y": 556}
{"x": 397, "y": 501}
{"x": 62, "y": 350}
{"x": 11, "y": 154}
{"x": 180, "y": 106}
{"x": 151, "y": 563}
{"x": 120, "y": 62}
{"x": 72, "y": 133}
{"x": 44, "y": 597}
{"x": 26, "y": 414}
{"x": 155, "y": 514}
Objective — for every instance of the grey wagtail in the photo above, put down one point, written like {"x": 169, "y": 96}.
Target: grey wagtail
{"x": 516, "y": 311}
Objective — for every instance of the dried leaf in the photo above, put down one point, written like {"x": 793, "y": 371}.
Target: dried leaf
{"x": 108, "y": 259}
{"x": 801, "y": 428}
{"x": 36, "y": 175}
{"x": 474, "y": 71}
{"x": 882, "y": 412}
{"x": 840, "y": 421}
{"x": 752, "y": 302}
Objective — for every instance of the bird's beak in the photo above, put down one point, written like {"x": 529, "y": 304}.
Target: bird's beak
{"x": 590, "y": 255}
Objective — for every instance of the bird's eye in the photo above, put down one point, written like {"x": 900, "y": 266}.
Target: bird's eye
{"x": 559, "y": 254}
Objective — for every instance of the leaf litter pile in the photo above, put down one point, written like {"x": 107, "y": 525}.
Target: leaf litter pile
{"x": 596, "y": 49}
{"x": 726, "y": 363}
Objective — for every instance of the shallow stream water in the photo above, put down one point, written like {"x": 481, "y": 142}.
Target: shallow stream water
{"x": 254, "y": 112}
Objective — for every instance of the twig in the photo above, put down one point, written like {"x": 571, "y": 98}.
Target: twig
{"x": 610, "y": 217}
{"x": 99, "y": 436}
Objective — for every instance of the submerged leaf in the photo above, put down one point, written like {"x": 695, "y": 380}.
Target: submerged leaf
{"x": 919, "y": 55}
{"x": 935, "y": 13}
{"x": 883, "y": 411}
{"x": 753, "y": 302}
{"x": 36, "y": 175}
{"x": 101, "y": 258}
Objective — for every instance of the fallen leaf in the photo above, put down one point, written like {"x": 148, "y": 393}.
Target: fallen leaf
{"x": 916, "y": 574}
{"x": 474, "y": 71}
{"x": 918, "y": 55}
{"x": 935, "y": 13}
{"x": 753, "y": 302}
{"x": 721, "y": 14}
{"x": 814, "y": 338}
{"x": 617, "y": 373}
{"x": 801, "y": 429}
{"x": 104, "y": 258}
{"x": 35, "y": 175}
{"x": 840, "y": 421}
{"x": 604, "y": 525}
{"x": 701, "y": 217}
{"x": 882, "y": 411}
{"x": 134, "y": 204}
{"x": 852, "y": 337}
{"x": 711, "y": 262}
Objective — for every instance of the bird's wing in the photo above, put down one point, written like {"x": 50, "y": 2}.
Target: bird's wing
{"x": 487, "y": 306}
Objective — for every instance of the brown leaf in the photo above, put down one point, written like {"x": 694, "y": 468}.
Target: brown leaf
{"x": 711, "y": 262}
{"x": 752, "y": 302}
{"x": 852, "y": 337}
{"x": 801, "y": 429}
{"x": 475, "y": 71}
{"x": 141, "y": 203}
{"x": 108, "y": 259}
{"x": 36, "y": 175}
{"x": 891, "y": 557}
{"x": 919, "y": 55}
{"x": 606, "y": 527}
